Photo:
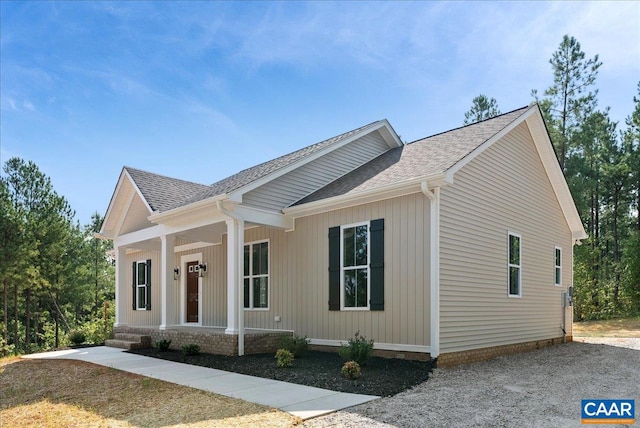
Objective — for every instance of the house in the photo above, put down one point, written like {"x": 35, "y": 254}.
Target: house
{"x": 458, "y": 246}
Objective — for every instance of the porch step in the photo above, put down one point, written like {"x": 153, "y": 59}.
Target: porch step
{"x": 129, "y": 341}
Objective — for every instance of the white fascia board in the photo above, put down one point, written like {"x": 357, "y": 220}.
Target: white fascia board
{"x": 547, "y": 154}
{"x": 133, "y": 183}
{"x": 179, "y": 213}
{"x": 124, "y": 175}
{"x": 484, "y": 146}
{"x": 351, "y": 199}
{"x": 264, "y": 217}
{"x": 391, "y": 138}
{"x": 112, "y": 201}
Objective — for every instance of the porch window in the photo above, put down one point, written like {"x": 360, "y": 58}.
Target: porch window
{"x": 356, "y": 266}
{"x": 141, "y": 285}
{"x": 515, "y": 274}
{"x": 256, "y": 275}
{"x": 558, "y": 266}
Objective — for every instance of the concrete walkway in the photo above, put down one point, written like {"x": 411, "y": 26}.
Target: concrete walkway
{"x": 299, "y": 400}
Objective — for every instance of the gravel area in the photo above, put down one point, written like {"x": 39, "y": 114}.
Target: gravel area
{"x": 536, "y": 389}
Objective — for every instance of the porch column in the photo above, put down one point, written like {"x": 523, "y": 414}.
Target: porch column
{"x": 235, "y": 279}
{"x": 167, "y": 283}
{"x": 122, "y": 286}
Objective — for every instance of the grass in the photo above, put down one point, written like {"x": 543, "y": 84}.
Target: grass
{"x": 54, "y": 393}
{"x": 627, "y": 327}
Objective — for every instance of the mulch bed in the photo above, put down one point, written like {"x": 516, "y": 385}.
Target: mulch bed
{"x": 380, "y": 376}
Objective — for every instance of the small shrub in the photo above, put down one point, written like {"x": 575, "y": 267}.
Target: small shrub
{"x": 359, "y": 349}
{"x": 190, "y": 349}
{"x": 298, "y": 346}
{"x": 351, "y": 370}
{"x": 284, "y": 358}
{"x": 77, "y": 337}
{"x": 163, "y": 345}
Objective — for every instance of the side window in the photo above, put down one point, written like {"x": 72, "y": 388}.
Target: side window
{"x": 256, "y": 275}
{"x": 514, "y": 265}
{"x": 355, "y": 266}
{"x": 558, "y": 266}
{"x": 141, "y": 299}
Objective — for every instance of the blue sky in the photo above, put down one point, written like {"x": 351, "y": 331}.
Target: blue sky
{"x": 201, "y": 90}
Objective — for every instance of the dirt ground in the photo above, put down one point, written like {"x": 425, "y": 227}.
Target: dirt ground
{"x": 536, "y": 389}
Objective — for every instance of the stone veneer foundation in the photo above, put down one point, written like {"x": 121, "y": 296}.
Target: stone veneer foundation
{"x": 212, "y": 341}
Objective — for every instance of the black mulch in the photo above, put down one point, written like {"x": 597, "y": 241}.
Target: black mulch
{"x": 380, "y": 376}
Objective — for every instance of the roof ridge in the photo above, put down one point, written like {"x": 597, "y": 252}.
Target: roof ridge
{"x": 469, "y": 125}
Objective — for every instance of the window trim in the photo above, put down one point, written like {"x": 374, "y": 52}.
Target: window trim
{"x": 512, "y": 265}
{"x": 143, "y": 285}
{"x": 557, "y": 267}
{"x": 368, "y": 267}
{"x": 251, "y": 276}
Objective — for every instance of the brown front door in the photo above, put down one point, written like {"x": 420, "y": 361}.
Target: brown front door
{"x": 192, "y": 292}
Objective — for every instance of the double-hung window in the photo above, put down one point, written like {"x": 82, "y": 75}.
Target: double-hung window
{"x": 355, "y": 266}
{"x": 141, "y": 299}
{"x": 558, "y": 266}
{"x": 256, "y": 275}
{"x": 515, "y": 267}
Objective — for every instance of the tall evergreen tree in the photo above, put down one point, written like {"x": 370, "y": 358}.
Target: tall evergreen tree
{"x": 482, "y": 108}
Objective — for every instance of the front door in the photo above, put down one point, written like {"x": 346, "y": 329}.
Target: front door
{"x": 192, "y": 292}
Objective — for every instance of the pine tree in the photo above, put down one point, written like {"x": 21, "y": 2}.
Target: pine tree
{"x": 482, "y": 108}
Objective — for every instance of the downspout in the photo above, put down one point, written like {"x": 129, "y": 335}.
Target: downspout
{"x": 434, "y": 267}
{"x": 240, "y": 307}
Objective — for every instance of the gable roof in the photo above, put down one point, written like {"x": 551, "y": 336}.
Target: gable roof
{"x": 421, "y": 158}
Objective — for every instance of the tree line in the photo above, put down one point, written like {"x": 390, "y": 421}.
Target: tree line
{"x": 55, "y": 276}
{"x": 600, "y": 159}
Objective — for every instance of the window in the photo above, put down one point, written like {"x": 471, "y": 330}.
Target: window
{"x": 514, "y": 265}
{"x": 558, "y": 265}
{"x": 356, "y": 266}
{"x": 141, "y": 286}
{"x": 256, "y": 275}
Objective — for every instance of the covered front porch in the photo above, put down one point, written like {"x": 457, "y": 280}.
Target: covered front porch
{"x": 183, "y": 279}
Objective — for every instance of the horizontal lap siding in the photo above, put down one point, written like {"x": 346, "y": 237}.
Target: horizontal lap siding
{"x": 299, "y": 276}
{"x": 503, "y": 189}
{"x": 302, "y": 181}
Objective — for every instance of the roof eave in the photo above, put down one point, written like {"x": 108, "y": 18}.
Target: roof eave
{"x": 172, "y": 214}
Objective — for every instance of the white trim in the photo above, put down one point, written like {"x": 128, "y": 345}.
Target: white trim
{"x": 197, "y": 257}
{"x": 192, "y": 246}
{"x": 434, "y": 265}
{"x": 125, "y": 211}
{"x": 367, "y": 224}
{"x": 510, "y": 265}
{"x": 252, "y": 276}
{"x": 382, "y": 346}
{"x": 556, "y": 266}
{"x": 264, "y": 217}
{"x": 373, "y": 195}
{"x": 193, "y": 208}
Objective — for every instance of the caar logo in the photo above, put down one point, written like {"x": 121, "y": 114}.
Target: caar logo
{"x": 608, "y": 411}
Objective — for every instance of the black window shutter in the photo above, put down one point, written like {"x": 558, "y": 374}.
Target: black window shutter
{"x": 334, "y": 268}
{"x": 376, "y": 229}
{"x": 133, "y": 287}
{"x": 148, "y": 285}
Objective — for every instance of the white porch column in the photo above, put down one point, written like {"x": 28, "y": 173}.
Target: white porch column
{"x": 122, "y": 286}
{"x": 235, "y": 280}
{"x": 167, "y": 283}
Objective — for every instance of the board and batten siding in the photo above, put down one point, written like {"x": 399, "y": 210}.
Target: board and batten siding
{"x": 302, "y": 181}
{"x": 143, "y": 317}
{"x": 299, "y": 276}
{"x": 504, "y": 189}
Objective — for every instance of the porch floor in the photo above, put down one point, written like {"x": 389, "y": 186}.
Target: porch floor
{"x": 303, "y": 401}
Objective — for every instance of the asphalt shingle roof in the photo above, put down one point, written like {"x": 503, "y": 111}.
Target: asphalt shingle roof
{"x": 165, "y": 193}
{"x": 431, "y": 155}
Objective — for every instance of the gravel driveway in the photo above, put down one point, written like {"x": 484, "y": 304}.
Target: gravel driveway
{"x": 540, "y": 389}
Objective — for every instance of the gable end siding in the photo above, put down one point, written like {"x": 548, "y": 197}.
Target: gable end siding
{"x": 504, "y": 189}
{"x": 293, "y": 186}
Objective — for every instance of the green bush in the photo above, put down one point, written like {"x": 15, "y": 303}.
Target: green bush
{"x": 351, "y": 370}
{"x": 298, "y": 346}
{"x": 77, "y": 337}
{"x": 191, "y": 349}
{"x": 284, "y": 358}
{"x": 359, "y": 349}
{"x": 163, "y": 345}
